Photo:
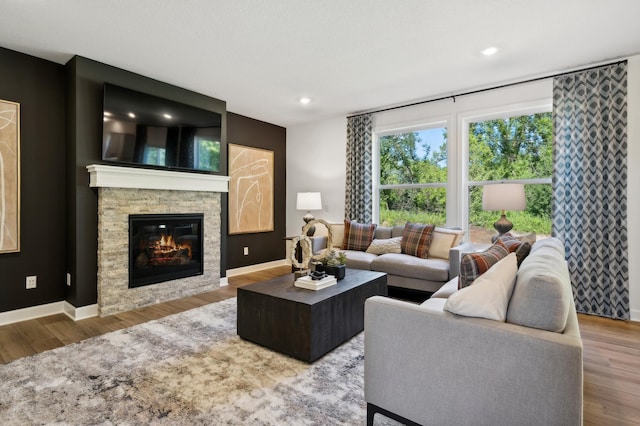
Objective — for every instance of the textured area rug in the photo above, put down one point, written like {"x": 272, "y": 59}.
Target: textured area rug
{"x": 187, "y": 368}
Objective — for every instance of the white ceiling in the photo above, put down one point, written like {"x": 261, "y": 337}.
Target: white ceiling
{"x": 348, "y": 56}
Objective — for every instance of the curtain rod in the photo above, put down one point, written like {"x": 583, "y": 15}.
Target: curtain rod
{"x": 473, "y": 92}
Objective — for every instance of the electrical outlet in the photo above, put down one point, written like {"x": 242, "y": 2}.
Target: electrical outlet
{"x": 32, "y": 282}
{"x": 69, "y": 279}
{"x": 246, "y": 251}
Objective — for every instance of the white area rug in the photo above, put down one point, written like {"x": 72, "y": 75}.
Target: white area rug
{"x": 187, "y": 368}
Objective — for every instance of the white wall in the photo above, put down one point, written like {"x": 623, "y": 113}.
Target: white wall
{"x": 316, "y": 157}
{"x": 316, "y": 161}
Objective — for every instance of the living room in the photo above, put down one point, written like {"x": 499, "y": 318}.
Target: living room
{"x": 61, "y": 110}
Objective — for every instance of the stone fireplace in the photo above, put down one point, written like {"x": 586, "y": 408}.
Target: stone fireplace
{"x": 125, "y": 191}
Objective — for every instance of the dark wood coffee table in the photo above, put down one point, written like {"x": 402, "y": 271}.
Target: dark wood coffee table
{"x": 306, "y": 324}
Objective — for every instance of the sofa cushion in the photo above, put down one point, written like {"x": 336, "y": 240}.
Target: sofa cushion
{"x": 552, "y": 243}
{"x": 442, "y": 240}
{"x": 489, "y": 295}
{"x": 513, "y": 245}
{"x": 446, "y": 290}
{"x": 416, "y": 238}
{"x": 338, "y": 234}
{"x": 382, "y": 232}
{"x": 386, "y": 245}
{"x": 359, "y": 259}
{"x": 358, "y": 236}
{"x": 472, "y": 265}
{"x": 409, "y": 266}
{"x": 542, "y": 295}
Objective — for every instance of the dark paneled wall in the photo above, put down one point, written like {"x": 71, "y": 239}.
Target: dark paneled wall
{"x": 38, "y": 86}
{"x": 85, "y": 89}
{"x": 263, "y": 246}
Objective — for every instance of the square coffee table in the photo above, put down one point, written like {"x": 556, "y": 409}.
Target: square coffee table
{"x": 306, "y": 324}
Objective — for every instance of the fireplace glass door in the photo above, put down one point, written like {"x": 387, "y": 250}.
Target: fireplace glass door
{"x": 164, "y": 247}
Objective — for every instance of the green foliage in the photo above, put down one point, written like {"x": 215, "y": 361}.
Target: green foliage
{"x": 334, "y": 258}
{"x": 502, "y": 149}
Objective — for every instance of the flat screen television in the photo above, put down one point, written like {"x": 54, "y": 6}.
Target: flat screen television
{"x": 146, "y": 130}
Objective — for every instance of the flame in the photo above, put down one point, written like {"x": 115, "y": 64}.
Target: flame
{"x": 167, "y": 244}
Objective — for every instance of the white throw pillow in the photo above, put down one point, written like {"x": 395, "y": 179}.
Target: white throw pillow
{"x": 385, "y": 245}
{"x": 488, "y": 296}
{"x": 442, "y": 240}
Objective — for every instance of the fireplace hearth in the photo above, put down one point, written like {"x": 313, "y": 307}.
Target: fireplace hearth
{"x": 164, "y": 247}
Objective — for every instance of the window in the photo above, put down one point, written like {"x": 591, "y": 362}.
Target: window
{"x": 413, "y": 176}
{"x": 515, "y": 149}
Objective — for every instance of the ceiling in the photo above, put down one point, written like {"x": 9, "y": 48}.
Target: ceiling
{"x": 262, "y": 56}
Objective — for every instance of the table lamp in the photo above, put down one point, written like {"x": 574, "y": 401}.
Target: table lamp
{"x": 503, "y": 196}
{"x": 309, "y": 201}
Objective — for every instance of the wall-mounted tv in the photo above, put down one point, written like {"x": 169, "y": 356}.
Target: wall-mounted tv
{"x": 142, "y": 129}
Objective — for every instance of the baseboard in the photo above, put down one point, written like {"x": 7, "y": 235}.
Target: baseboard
{"x": 224, "y": 281}
{"x": 80, "y": 313}
{"x": 256, "y": 268}
{"x": 635, "y": 315}
{"x": 33, "y": 312}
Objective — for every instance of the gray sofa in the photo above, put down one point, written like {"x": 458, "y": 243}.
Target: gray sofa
{"x": 403, "y": 270}
{"x": 430, "y": 366}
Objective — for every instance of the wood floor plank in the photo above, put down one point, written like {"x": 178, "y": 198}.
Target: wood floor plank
{"x": 611, "y": 348}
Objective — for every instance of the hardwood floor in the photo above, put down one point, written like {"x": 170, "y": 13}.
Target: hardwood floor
{"x": 611, "y": 348}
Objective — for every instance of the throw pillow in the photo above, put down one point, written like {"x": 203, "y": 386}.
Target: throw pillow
{"x": 416, "y": 238}
{"x": 385, "y": 245}
{"x": 513, "y": 245}
{"x": 472, "y": 265}
{"x": 489, "y": 295}
{"x": 443, "y": 239}
{"x": 358, "y": 236}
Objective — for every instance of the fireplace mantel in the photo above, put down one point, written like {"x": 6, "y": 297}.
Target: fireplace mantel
{"x": 104, "y": 176}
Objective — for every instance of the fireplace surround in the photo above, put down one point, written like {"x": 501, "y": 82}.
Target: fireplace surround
{"x": 125, "y": 191}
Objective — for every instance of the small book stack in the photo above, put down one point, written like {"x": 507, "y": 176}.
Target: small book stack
{"x": 310, "y": 284}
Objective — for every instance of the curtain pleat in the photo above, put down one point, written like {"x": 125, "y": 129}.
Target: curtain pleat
{"x": 590, "y": 186}
{"x": 359, "y": 182}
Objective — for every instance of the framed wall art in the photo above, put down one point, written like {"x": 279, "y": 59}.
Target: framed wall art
{"x": 9, "y": 177}
{"x": 250, "y": 190}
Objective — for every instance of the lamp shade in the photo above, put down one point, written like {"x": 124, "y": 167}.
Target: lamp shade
{"x": 503, "y": 196}
{"x": 309, "y": 201}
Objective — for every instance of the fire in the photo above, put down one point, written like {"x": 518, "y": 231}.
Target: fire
{"x": 167, "y": 247}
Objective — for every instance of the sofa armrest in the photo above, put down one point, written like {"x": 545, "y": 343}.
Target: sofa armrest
{"x": 455, "y": 254}
{"x": 318, "y": 244}
{"x": 433, "y": 367}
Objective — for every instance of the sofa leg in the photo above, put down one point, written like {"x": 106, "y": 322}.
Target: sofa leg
{"x": 373, "y": 409}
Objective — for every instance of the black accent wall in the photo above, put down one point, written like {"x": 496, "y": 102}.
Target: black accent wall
{"x": 38, "y": 86}
{"x": 263, "y": 246}
{"x": 84, "y": 123}
{"x": 61, "y": 132}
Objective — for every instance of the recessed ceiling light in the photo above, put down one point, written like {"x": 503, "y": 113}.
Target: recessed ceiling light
{"x": 107, "y": 114}
{"x": 132, "y": 115}
{"x": 167, "y": 116}
{"x": 305, "y": 100}
{"x": 489, "y": 51}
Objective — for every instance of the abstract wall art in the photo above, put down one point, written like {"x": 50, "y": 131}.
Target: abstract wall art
{"x": 9, "y": 177}
{"x": 251, "y": 188}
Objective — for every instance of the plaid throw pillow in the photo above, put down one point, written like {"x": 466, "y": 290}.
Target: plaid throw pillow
{"x": 357, "y": 236}
{"x": 472, "y": 265}
{"x": 416, "y": 238}
{"x": 513, "y": 245}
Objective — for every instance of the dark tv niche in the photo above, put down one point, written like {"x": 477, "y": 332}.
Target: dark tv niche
{"x": 142, "y": 129}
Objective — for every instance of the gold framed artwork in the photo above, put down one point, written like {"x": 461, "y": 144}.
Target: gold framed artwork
{"x": 9, "y": 177}
{"x": 250, "y": 190}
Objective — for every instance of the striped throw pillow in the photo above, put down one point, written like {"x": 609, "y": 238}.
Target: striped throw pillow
{"x": 513, "y": 245}
{"x": 472, "y": 265}
{"x": 416, "y": 238}
{"x": 357, "y": 236}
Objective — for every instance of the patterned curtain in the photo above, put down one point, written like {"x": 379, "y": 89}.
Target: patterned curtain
{"x": 590, "y": 186}
{"x": 359, "y": 186}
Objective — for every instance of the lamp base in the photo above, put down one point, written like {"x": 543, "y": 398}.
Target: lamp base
{"x": 502, "y": 225}
{"x": 312, "y": 229}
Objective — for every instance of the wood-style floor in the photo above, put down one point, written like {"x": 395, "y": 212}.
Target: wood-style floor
{"x": 611, "y": 348}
